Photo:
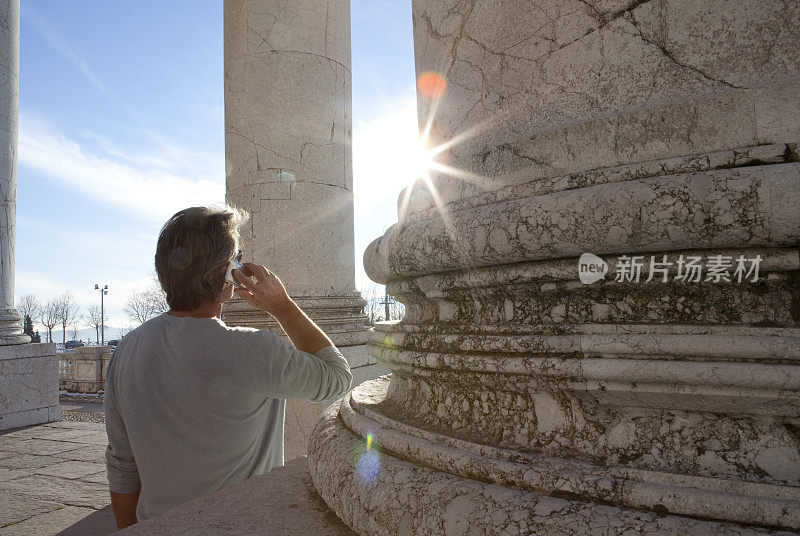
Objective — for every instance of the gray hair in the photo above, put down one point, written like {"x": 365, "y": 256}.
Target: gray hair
{"x": 193, "y": 252}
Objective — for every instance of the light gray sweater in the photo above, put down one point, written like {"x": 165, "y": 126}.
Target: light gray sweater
{"x": 193, "y": 405}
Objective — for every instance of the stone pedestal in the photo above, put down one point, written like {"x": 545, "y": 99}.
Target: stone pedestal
{"x": 28, "y": 385}
{"x": 84, "y": 370}
{"x": 524, "y": 400}
{"x": 288, "y": 162}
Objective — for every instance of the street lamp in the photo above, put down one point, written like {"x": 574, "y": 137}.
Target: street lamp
{"x": 103, "y": 292}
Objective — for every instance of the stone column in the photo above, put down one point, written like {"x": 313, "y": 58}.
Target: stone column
{"x": 10, "y": 320}
{"x": 524, "y": 400}
{"x": 288, "y": 158}
{"x": 28, "y": 372}
{"x": 287, "y": 150}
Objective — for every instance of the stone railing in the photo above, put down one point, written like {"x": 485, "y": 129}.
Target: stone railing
{"x": 84, "y": 371}
{"x": 66, "y": 370}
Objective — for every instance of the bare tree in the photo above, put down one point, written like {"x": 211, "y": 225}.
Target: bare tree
{"x": 29, "y": 305}
{"x": 138, "y": 308}
{"x": 146, "y": 304}
{"x": 95, "y": 319}
{"x": 158, "y": 299}
{"x": 372, "y": 309}
{"x": 48, "y": 316}
{"x": 381, "y": 305}
{"x": 67, "y": 312}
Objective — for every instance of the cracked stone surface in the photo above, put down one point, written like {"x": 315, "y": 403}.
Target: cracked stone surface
{"x": 53, "y": 480}
{"x": 288, "y": 155}
{"x": 522, "y": 401}
{"x": 524, "y": 68}
{"x": 288, "y": 162}
{"x": 287, "y": 138}
{"x": 28, "y": 385}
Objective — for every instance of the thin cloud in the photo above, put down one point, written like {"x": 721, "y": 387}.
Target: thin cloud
{"x": 46, "y": 31}
{"x": 151, "y": 190}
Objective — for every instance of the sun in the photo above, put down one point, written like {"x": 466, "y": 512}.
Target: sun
{"x": 388, "y": 154}
{"x": 394, "y": 152}
{"x": 422, "y": 160}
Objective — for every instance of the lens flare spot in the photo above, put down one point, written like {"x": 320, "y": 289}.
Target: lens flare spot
{"x": 432, "y": 85}
{"x": 367, "y": 459}
{"x": 369, "y": 466}
{"x": 388, "y": 341}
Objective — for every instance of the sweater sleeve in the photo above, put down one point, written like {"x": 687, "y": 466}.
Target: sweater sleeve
{"x": 123, "y": 475}
{"x": 291, "y": 373}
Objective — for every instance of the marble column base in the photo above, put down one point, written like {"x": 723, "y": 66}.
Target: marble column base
{"x": 11, "y": 328}
{"x": 302, "y": 415}
{"x": 340, "y": 317}
{"x": 28, "y": 385}
{"x": 413, "y": 481}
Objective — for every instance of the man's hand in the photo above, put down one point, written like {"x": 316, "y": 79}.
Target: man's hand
{"x": 266, "y": 292}
{"x": 262, "y": 289}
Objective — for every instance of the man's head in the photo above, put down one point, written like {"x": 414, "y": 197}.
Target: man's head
{"x": 194, "y": 248}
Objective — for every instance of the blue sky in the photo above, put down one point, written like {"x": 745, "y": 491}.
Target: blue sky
{"x": 122, "y": 124}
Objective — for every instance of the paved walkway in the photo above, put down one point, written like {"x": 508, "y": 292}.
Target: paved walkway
{"x": 53, "y": 481}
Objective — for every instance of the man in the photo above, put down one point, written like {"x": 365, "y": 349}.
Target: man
{"x": 191, "y": 404}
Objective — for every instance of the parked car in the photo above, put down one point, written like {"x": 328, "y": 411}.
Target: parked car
{"x": 113, "y": 343}
{"x": 70, "y": 345}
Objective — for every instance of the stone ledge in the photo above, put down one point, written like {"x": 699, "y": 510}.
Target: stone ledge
{"x": 21, "y": 351}
{"x": 280, "y": 503}
{"x": 28, "y": 417}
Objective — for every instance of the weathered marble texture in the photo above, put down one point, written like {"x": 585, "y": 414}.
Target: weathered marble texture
{"x": 474, "y": 495}
{"x": 10, "y": 321}
{"x": 288, "y": 154}
{"x": 515, "y": 69}
{"x": 522, "y": 401}
{"x": 288, "y": 162}
{"x": 288, "y": 130}
{"x": 28, "y": 385}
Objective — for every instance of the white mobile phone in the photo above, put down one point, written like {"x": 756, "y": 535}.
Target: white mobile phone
{"x": 235, "y": 264}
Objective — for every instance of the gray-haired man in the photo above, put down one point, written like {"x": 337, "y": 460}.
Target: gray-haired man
{"x": 191, "y": 404}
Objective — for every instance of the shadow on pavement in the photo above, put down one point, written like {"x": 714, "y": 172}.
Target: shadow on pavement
{"x": 98, "y": 523}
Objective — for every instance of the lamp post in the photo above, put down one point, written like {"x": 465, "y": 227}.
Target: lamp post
{"x": 388, "y": 301}
{"x": 103, "y": 292}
